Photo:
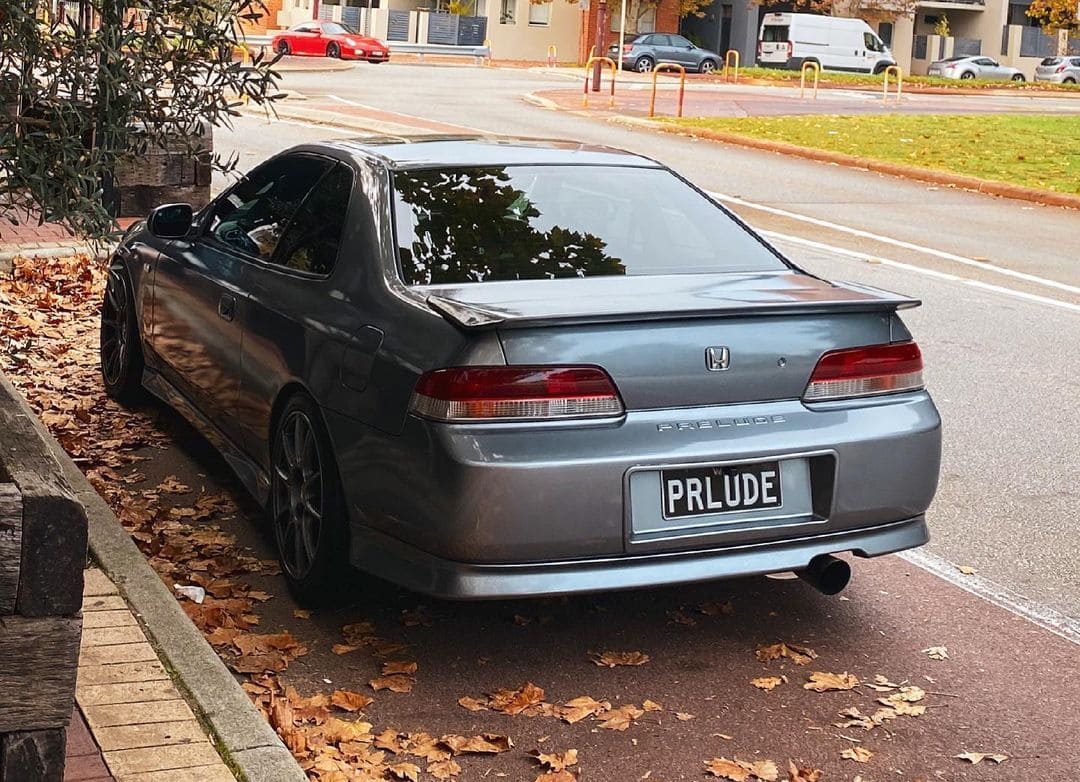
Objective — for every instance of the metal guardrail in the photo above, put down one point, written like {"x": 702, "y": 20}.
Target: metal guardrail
{"x": 443, "y": 50}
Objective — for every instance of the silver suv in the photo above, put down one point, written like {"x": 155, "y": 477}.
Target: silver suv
{"x": 1061, "y": 70}
{"x": 647, "y": 50}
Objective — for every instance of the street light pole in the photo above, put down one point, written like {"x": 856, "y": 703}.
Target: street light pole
{"x": 601, "y": 21}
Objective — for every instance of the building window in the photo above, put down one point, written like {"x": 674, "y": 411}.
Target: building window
{"x": 539, "y": 14}
{"x": 647, "y": 21}
{"x": 884, "y": 31}
{"x": 506, "y": 11}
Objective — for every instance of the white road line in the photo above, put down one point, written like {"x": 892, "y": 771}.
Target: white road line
{"x": 990, "y": 267}
{"x": 310, "y": 125}
{"x": 1031, "y": 297}
{"x": 1045, "y": 617}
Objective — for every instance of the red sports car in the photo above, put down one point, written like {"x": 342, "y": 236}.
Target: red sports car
{"x": 330, "y": 39}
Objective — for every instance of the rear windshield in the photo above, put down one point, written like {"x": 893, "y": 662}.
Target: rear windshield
{"x": 1050, "y": 61}
{"x": 775, "y": 33}
{"x": 545, "y": 222}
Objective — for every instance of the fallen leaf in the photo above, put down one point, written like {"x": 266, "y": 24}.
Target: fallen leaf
{"x": 803, "y": 774}
{"x": 580, "y": 708}
{"x": 301, "y": 613}
{"x": 742, "y": 771}
{"x": 715, "y": 608}
{"x": 800, "y": 655}
{"x": 555, "y": 761}
{"x": 621, "y": 718}
{"x": 392, "y": 667}
{"x": 396, "y": 683}
{"x": 974, "y": 758}
{"x": 343, "y": 648}
{"x": 516, "y": 701}
{"x": 966, "y": 570}
{"x": 824, "y": 682}
{"x": 350, "y": 701}
{"x": 444, "y": 769}
{"x": 556, "y": 776}
{"x": 487, "y": 743}
{"x": 409, "y": 771}
{"x": 651, "y": 706}
{"x": 937, "y": 652}
{"x": 682, "y": 716}
{"x": 472, "y": 704}
{"x": 611, "y": 659}
{"x": 858, "y": 754}
{"x": 768, "y": 683}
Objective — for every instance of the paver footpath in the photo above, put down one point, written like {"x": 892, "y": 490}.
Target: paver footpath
{"x": 134, "y": 712}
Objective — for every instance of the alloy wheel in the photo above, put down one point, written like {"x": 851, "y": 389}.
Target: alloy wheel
{"x": 115, "y": 329}
{"x": 283, "y": 47}
{"x": 333, "y": 50}
{"x": 708, "y": 66}
{"x": 645, "y": 65}
{"x": 297, "y": 494}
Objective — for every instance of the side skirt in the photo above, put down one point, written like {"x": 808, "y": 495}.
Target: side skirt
{"x": 254, "y": 478}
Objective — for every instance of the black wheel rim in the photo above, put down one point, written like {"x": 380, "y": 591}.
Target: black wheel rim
{"x": 283, "y": 47}
{"x": 333, "y": 50}
{"x": 297, "y": 494}
{"x": 115, "y": 330}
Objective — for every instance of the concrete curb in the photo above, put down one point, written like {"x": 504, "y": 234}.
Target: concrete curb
{"x": 986, "y": 186}
{"x": 249, "y": 743}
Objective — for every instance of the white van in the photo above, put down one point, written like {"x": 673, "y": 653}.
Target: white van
{"x": 834, "y": 43}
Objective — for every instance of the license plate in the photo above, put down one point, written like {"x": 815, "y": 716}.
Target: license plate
{"x": 702, "y": 491}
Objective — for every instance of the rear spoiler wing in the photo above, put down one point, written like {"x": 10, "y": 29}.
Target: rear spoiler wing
{"x": 470, "y": 317}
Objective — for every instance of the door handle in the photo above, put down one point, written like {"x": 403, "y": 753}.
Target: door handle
{"x": 226, "y": 307}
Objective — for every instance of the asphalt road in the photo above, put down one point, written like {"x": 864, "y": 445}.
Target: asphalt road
{"x": 999, "y": 327}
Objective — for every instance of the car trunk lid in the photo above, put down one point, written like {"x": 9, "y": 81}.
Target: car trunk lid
{"x": 681, "y": 340}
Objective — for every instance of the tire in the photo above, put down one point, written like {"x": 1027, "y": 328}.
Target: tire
{"x": 119, "y": 352}
{"x": 707, "y": 67}
{"x": 283, "y": 48}
{"x": 1018, "y": 77}
{"x": 644, "y": 64}
{"x": 333, "y": 50}
{"x": 1068, "y": 80}
{"x": 967, "y": 75}
{"x": 307, "y": 507}
{"x": 880, "y": 68}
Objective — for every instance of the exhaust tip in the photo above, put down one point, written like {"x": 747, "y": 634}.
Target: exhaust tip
{"x": 827, "y": 574}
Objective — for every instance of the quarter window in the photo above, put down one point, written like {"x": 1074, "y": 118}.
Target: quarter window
{"x": 252, "y": 216}
{"x": 311, "y": 242}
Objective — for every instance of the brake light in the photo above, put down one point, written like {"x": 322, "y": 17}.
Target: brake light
{"x": 521, "y": 393}
{"x": 760, "y": 48}
{"x": 866, "y": 371}
{"x": 790, "y": 49}
{"x": 1061, "y": 68}
{"x": 627, "y": 48}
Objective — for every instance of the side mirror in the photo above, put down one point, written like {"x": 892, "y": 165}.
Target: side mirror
{"x": 171, "y": 221}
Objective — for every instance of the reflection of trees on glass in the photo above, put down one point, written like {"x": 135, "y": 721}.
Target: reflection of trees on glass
{"x": 474, "y": 226}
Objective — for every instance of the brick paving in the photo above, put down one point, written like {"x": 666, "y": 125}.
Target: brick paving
{"x": 137, "y": 728}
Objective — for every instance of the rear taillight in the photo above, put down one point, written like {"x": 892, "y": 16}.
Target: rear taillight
{"x": 627, "y": 48}
{"x": 790, "y": 49}
{"x": 866, "y": 371}
{"x": 760, "y": 48}
{"x": 515, "y": 394}
{"x": 1061, "y": 68}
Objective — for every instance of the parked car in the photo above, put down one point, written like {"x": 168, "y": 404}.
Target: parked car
{"x": 648, "y": 50}
{"x": 485, "y": 367}
{"x": 1062, "y": 70}
{"x": 330, "y": 39}
{"x": 976, "y": 67}
{"x": 833, "y": 42}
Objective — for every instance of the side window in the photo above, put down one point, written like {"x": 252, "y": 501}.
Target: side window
{"x": 661, "y": 40}
{"x": 311, "y": 242}
{"x": 870, "y": 42}
{"x": 682, "y": 43}
{"x": 252, "y": 216}
{"x": 984, "y": 61}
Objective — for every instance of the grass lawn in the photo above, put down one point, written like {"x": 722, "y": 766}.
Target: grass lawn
{"x": 1031, "y": 150}
{"x": 866, "y": 80}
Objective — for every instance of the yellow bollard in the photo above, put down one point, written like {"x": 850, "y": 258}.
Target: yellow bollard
{"x": 808, "y": 66}
{"x": 899, "y": 82}
{"x": 614, "y": 69}
{"x": 731, "y": 56}
{"x": 682, "y": 85}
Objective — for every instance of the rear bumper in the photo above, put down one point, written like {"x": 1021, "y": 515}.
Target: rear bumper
{"x": 512, "y": 495}
{"x": 407, "y": 566}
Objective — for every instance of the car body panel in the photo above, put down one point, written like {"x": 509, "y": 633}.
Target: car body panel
{"x": 314, "y": 38}
{"x": 1059, "y": 70}
{"x": 483, "y": 510}
{"x": 974, "y": 67}
{"x": 663, "y": 48}
{"x": 787, "y": 40}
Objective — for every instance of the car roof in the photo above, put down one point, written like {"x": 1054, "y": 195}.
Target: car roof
{"x": 451, "y": 151}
